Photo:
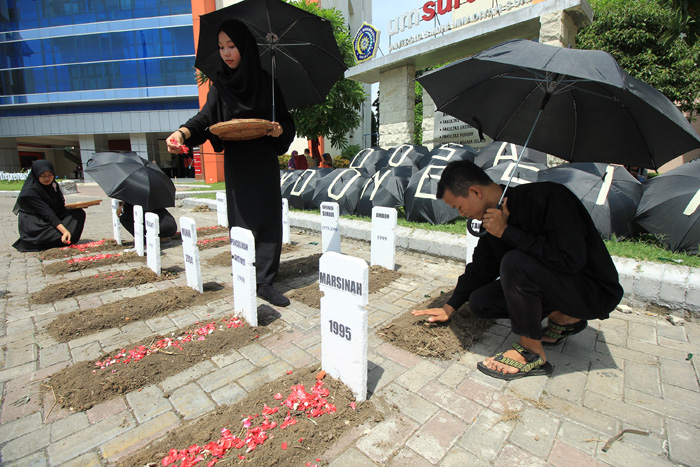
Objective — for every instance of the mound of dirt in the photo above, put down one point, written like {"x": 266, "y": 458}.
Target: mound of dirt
{"x": 296, "y": 445}
{"x": 116, "y": 314}
{"x": 81, "y": 386}
{"x": 63, "y": 267}
{"x": 444, "y": 341}
{"x": 80, "y": 249}
{"x": 99, "y": 283}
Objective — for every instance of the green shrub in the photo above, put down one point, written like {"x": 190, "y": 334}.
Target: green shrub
{"x": 283, "y": 160}
{"x": 340, "y": 162}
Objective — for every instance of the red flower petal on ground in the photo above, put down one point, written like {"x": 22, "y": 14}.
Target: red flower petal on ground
{"x": 284, "y": 445}
{"x": 289, "y": 372}
{"x": 277, "y": 396}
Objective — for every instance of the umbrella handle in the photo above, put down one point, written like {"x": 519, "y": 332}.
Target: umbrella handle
{"x": 475, "y": 227}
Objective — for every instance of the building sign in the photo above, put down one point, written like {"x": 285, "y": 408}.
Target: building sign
{"x": 366, "y": 42}
{"x": 471, "y": 11}
{"x": 448, "y": 129}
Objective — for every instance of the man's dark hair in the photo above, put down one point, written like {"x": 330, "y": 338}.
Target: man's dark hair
{"x": 459, "y": 176}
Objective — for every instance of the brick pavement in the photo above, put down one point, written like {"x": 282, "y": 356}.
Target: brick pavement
{"x": 630, "y": 371}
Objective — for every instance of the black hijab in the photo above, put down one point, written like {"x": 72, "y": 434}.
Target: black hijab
{"x": 33, "y": 188}
{"x": 246, "y": 90}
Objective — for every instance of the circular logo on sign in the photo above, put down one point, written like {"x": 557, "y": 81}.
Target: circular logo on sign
{"x": 365, "y": 42}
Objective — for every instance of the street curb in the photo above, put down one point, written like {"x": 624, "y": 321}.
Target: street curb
{"x": 669, "y": 285}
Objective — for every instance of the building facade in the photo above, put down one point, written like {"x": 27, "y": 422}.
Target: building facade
{"x": 80, "y": 77}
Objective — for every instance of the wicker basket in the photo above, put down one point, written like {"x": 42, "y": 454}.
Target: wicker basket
{"x": 240, "y": 129}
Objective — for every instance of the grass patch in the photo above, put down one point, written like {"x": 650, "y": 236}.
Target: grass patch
{"x": 648, "y": 248}
{"x": 11, "y": 185}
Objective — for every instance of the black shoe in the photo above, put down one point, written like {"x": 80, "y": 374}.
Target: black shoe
{"x": 165, "y": 241}
{"x": 272, "y": 295}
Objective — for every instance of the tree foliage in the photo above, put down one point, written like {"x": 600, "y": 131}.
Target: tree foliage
{"x": 340, "y": 112}
{"x": 631, "y": 31}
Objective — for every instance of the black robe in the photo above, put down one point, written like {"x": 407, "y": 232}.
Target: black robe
{"x": 548, "y": 222}
{"x": 40, "y": 209}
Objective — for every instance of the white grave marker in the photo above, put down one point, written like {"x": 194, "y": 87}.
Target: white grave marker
{"x": 244, "y": 281}
{"x": 116, "y": 225}
{"x": 190, "y": 250}
{"x": 384, "y": 237}
{"x": 221, "y": 210}
{"x": 286, "y": 237}
{"x": 138, "y": 230}
{"x": 153, "y": 242}
{"x": 330, "y": 227}
{"x": 344, "y": 281}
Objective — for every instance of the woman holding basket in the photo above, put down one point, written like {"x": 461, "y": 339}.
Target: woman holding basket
{"x": 242, "y": 90}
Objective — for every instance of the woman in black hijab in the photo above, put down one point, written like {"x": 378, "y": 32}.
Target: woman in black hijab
{"x": 242, "y": 89}
{"x": 43, "y": 220}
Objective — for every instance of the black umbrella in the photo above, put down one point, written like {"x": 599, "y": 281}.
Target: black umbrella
{"x": 342, "y": 186}
{"x": 579, "y": 105}
{"x": 128, "y": 177}
{"x": 670, "y": 207}
{"x": 525, "y": 172}
{"x": 446, "y": 153}
{"x": 405, "y": 155}
{"x": 287, "y": 180}
{"x": 369, "y": 159}
{"x": 302, "y": 192}
{"x": 609, "y": 193}
{"x": 497, "y": 152}
{"x": 385, "y": 189}
{"x": 296, "y": 46}
{"x": 420, "y": 200}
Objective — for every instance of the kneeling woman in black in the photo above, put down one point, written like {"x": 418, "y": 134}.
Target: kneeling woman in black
{"x": 43, "y": 220}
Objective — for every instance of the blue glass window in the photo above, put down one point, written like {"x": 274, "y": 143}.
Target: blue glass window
{"x": 31, "y": 14}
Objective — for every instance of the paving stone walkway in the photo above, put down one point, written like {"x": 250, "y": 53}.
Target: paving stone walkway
{"x": 634, "y": 370}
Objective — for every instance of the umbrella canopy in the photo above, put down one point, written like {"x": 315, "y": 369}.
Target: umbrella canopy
{"x": 609, "y": 193}
{"x": 669, "y": 207}
{"x": 342, "y": 186}
{"x": 420, "y": 200}
{"x": 130, "y": 178}
{"x": 385, "y": 189}
{"x": 369, "y": 160}
{"x": 578, "y": 105}
{"x": 301, "y": 193}
{"x": 498, "y": 152}
{"x": 405, "y": 155}
{"x": 287, "y": 180}
{"x": 446, "y": 153}
{"x": 295, "y": 46}
{"x": 525, "y": 172}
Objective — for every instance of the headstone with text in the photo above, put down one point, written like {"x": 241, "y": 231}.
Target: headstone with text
{"x": 243, "y": 267}
{"x": 153, "y": 242}
{"x": 221, "y": 210}
{"x": 344, "y": 281}
{"x": 116, "y": 225}
{"x": 190, "y": 250}
{"x": 286, "y": 237}
{"x": 138, "y": 230}
{"x": 383, "y": 249}
{"x": 330, "y": 227}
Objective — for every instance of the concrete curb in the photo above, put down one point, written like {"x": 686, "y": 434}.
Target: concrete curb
{"x": 668, "y": 285}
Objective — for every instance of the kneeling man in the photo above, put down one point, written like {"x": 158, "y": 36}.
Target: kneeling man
{"x": 542, "y": 257}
